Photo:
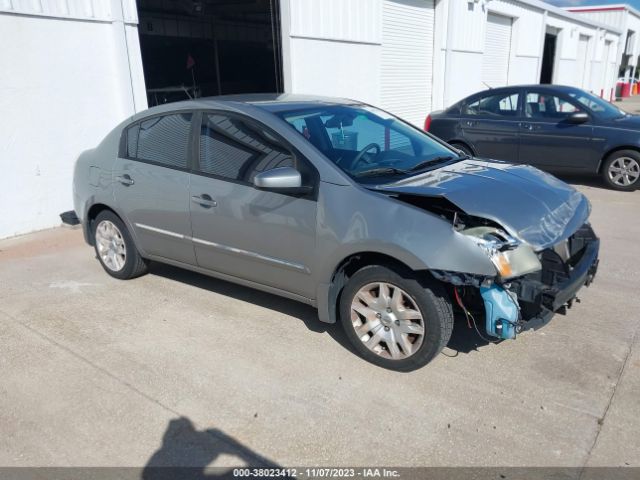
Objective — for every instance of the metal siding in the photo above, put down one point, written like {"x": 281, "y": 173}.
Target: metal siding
{"x": 349, "y": 20}
{"x": 92, "y": 10}
{"x": 612, "y": 18}
{"x": 406, "y": 63}
{"x": 497, "y": 48}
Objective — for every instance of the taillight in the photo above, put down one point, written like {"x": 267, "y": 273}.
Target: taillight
{"x": 427, "y": 123}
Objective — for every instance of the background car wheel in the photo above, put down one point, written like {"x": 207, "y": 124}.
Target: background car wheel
{"x": 621, "y": 170}
{"x": 115, "y": 249}
{"x": 394, "y": 320}
{"x": 463, "y": 148}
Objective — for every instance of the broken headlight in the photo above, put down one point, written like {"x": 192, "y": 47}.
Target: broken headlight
{"x": 511, "y": 257}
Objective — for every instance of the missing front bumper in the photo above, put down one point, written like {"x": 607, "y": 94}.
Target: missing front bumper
{"x": 554, "y": 288}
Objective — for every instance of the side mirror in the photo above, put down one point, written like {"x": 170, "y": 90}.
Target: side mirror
{"x": 281, "y": 179}
{"x": 578, "y": 117}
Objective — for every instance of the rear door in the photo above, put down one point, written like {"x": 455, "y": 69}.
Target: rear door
{"x": 151, "y": 185}
{"x": 258, "y": 235}
{"x": 489, "y": 123}
{"x": 548, "y": 140}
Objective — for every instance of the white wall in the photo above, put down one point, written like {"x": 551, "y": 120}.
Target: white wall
{"x": 335, "y": 69}
{"x": 332, "y": 47}
{"x": 457, "y": 69}
{"x": 66, "y": 82}
{"x": 467, "y": 35}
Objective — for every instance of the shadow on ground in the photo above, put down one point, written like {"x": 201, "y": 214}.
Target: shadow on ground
{"x": 186, "y": 452}
{"x": 463, "y": 339}
{"x": 305, "y": 313}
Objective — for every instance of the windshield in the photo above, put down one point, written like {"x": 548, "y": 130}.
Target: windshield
{"x": 368, "y": 144}
{"x": 597, "y": 105}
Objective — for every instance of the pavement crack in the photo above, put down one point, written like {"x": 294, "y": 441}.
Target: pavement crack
{"x": 601, "y": 419}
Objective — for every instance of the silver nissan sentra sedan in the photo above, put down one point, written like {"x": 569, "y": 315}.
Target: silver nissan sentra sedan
{"x": 343, "y": 206}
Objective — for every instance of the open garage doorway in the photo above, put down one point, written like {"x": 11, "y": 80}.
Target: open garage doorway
{"x": 549, "y": 55}
{"x": 199, "y": 48}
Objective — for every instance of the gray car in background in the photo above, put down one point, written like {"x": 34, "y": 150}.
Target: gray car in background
{"x": 345, "y": 207}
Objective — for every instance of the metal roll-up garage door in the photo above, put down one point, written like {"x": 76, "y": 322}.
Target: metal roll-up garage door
{"x": 497, "y": 47}
{"x": 407, "y": 56}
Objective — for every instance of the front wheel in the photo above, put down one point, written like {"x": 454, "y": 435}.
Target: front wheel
{"x": 395, "y": 320}
{"x": 115, "y": 249}
{"x": 621, "y": 170}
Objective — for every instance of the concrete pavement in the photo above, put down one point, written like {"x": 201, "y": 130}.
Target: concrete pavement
{"x": 177, "y": 368}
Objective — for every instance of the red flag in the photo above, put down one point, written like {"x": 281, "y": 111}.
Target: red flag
{"x": 190, "y": 62}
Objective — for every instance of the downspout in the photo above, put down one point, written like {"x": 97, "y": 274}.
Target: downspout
{"x": 447, "y": 54}
{"x": 126, "y": 47}
{"x": 285, "y": 45}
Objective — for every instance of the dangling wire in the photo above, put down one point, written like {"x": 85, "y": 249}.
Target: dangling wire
{"x": 470, "y": 318}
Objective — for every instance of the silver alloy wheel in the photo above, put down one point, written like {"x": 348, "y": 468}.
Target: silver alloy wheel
{"x": 624, "y": 171}
{"x": 111, "y": 246}
{"x": 387, "y": 320}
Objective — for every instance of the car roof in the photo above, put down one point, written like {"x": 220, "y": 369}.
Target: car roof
{"x": 272, "y": 102}
{"x": 536, "y": 86}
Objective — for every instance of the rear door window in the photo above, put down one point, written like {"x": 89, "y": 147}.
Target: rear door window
{"x": 162, "y": 140}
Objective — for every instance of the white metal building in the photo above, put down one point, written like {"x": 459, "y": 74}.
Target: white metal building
{"x": 73, "y": 69}
{"x": 627, "y": 20}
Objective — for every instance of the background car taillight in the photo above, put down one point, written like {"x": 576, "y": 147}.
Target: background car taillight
{"x": 427, "y": 123}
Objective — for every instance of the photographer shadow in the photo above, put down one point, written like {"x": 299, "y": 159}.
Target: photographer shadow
{"x": 186, "y": 453}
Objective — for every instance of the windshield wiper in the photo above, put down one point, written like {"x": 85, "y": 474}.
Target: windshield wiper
{"x": 431, "y": 161}
{"x": 375, "y": 172}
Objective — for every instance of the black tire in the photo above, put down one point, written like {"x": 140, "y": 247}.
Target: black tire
{"x": 464, "y": 148}
{"x": 632, "y": 157}
{"x": 429, "y": 297}
{"x": 134, "y": 265}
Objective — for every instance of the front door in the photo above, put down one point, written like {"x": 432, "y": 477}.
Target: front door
{"x": 548, "y": 140}
{"x": 151, "y": 186}
{"x": 238, "y": 230}
{"x": 490, "y": 125}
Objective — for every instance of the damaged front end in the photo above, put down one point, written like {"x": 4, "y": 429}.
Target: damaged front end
{"x": 532, "y": 227}
{"x": 530, "y": 286}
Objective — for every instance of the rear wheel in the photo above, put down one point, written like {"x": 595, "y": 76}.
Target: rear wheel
{"x": 393, "y": 319}
{"x": 621, "y": 170}
{"x": 464, "y": 148}
{"x": 115, "y": 249}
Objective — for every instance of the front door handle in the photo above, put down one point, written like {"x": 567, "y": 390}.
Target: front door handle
{"x": 125, "y": 179}
{"x": 470, "y": 123}
{"x": 204, "y": 200}
{"x": 526, "y": 126}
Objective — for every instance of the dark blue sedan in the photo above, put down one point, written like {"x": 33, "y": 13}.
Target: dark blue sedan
{"x": 555, "y": 128}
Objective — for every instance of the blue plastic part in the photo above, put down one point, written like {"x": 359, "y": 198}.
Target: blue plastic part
{"x": 501, "y": 312}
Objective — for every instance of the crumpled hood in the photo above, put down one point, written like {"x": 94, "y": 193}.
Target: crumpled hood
{"x": 531, "y": 205}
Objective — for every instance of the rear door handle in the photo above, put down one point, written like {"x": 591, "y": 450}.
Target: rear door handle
{"x": 204, "y": 200}
{"x": 125, "y": 179}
